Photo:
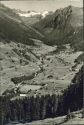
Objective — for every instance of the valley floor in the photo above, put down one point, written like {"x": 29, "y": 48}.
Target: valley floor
{"x": 24, "y": 65}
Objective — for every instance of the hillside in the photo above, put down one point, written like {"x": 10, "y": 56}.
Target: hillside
{"x": 13, "y": 28}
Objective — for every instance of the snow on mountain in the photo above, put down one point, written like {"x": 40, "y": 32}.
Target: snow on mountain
{"x": 45, "y": 13}
{"x": 33, "y": 13}
{"x": 25, "y": 14}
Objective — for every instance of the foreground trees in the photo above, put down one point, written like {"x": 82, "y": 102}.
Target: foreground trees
{"x": 29, "y": 108}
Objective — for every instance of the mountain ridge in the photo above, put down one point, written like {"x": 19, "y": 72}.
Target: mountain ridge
{"x": 61, "y": 28}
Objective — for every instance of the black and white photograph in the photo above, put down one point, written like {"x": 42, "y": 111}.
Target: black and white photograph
{"x": 41, "y": 62}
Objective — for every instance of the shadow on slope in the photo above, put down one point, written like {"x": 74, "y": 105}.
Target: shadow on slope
{"x": 12, "y": 28}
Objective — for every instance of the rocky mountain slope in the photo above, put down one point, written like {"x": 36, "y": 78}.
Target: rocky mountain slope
{"x": 62, "y": 27}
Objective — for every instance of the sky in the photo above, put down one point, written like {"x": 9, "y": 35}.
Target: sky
{"x": 41, "y": 5}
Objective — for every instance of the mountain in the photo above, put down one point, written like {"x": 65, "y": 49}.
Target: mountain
{"x": 13, "y": 28}
{"x": 64, "y": 26}
{"x": 31, "y": 17}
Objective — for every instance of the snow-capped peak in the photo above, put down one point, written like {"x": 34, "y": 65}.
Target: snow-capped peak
{"x": 33, "y": 13}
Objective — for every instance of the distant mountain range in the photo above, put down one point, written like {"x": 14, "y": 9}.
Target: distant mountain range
{"x": 32, "y": 13}
{"x": 31, "y": 17}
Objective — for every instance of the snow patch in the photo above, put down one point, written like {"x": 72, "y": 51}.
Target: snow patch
{"x": 45, "y": 13}
{"x": 29, "y": 14}
{"x": 33, "y": 13}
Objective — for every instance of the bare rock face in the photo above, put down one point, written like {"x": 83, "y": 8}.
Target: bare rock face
{"x": 61, "y": 17}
